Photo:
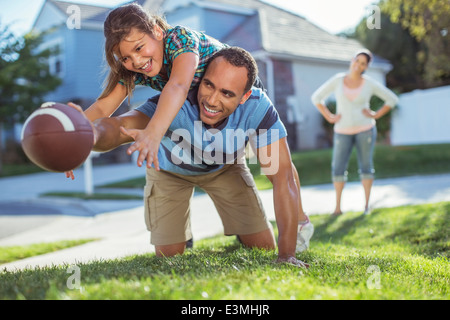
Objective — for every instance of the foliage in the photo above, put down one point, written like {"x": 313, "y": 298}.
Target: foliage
{"x": 24, "y": 75}
{"x": 414, "y": 38}
{"x": 421, "y": 17}
{"x": 428, "y": 22}
{"x": 403, "y": 51}
{"x": 395, "y": 253}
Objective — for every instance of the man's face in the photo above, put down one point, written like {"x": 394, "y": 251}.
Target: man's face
{"x": 221, "y": 91}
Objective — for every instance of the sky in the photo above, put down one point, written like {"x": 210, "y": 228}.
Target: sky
{"x": 333, "y": 16}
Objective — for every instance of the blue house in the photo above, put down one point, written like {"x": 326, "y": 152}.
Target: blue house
{"x": 294, "y": 56}
{"x": 80, "y": 63}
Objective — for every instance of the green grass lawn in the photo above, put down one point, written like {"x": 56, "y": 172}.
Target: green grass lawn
{"x": 13, "y": 253}
{"x": 394, "y": 253}
{"x": 314, "y": 167}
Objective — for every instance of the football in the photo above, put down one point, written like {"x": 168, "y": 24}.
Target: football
{"x": 57, "y": 137}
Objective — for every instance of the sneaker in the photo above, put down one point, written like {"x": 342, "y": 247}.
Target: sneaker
{"x": 304, "y": 234}
{"x": 190, "y": 243}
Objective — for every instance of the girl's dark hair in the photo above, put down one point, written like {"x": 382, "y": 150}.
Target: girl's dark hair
{"x": 117, "y": 26}
{"x": 239, "y": 57}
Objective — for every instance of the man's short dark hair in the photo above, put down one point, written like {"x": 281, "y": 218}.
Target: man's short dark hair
{"x": 239, "y": 57}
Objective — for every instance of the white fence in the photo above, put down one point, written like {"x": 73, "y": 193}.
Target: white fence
{"x": 423, "y": 117}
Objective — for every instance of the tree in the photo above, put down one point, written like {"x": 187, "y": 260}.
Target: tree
{"x": 24, "y": 77}
{"x": 399, "y": 47}
{"x": 428, "y": 21}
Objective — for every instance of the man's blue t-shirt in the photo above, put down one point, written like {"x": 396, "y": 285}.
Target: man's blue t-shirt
{"x": 191, "y": 147}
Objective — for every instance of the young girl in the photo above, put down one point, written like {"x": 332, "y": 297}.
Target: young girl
{"x": 144, "y": 50}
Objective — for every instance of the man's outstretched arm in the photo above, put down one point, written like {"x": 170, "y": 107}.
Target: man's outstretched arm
{"x": 107, "y": 132}
{"x": 108, "y": 135}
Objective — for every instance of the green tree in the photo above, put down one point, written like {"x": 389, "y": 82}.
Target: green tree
{"x": 399, "y": 47}
{"x": 24, "y": 77}
{"x": 428, "y": 21}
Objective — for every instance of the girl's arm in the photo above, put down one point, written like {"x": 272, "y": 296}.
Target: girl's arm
{"x": 104, "y": 108}
{"x": 171, "y": 99}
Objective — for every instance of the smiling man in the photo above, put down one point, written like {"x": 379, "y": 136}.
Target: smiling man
{"x": 205, "y": 147}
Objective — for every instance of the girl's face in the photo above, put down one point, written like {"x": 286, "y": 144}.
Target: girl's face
{"x": 141, "y": 52}
{"x": 359, "y": 64}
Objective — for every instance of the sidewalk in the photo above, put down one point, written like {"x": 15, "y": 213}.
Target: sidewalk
{"x": 120, "y": 227}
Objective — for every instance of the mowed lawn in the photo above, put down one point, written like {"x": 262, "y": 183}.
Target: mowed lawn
{"x": 314, "y": 167}
{"x": 394, "y": 253}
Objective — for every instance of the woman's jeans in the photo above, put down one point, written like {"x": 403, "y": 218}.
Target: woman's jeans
{"x": 343, "y": 145}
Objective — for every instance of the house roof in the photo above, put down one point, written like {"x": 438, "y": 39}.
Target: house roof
{"x": 287, "y": 33}
{"x": 271, "y": 29}
{"x": 88, "y": 12}
{"x": 94, "y": 14}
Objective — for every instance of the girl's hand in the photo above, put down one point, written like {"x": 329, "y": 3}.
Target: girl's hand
{"x": 146, "y": 144}
{"x": 69, "y": 174}
{"x": 75, "y": 106}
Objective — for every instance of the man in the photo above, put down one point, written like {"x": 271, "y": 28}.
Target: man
{"x": 204, "y": 147}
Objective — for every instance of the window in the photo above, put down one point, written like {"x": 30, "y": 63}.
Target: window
{"x": 56, "y": 62}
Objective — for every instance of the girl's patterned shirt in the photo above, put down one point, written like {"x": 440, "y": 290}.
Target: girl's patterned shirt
{"x": 179, "y": 40}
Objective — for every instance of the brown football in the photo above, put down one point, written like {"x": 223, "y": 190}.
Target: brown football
{"x": 57, "y": 137}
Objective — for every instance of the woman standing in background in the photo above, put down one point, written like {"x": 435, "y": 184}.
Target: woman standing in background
{"x": 354, "y": 122}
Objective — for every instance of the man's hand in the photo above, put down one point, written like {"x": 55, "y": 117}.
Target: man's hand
{"x": 146, "y": 144}
{"x": 294, "y": 261}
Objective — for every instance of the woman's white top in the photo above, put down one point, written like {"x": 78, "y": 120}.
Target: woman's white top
{"x": 350, "y": 107}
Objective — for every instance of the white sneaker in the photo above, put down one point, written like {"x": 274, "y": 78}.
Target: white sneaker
{"x": 304, "y": 234}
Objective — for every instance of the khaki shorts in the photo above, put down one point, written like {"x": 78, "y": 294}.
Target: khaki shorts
{"x": 167, "y": 203}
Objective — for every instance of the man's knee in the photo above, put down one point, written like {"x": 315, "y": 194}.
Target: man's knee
{"x": 170, "y": 249}
{"x": 263, "y": 240}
